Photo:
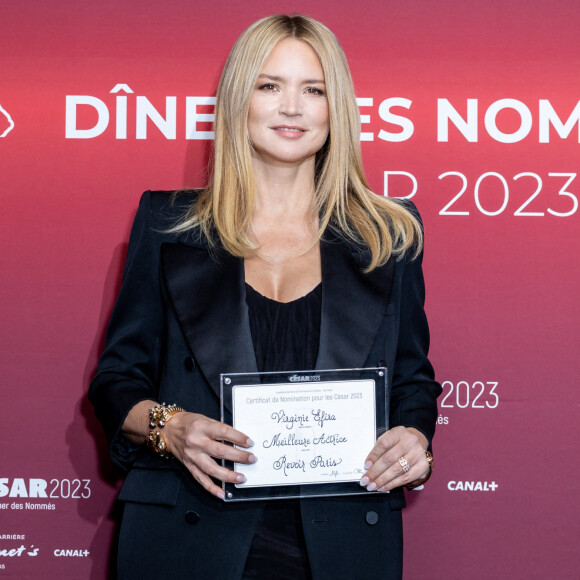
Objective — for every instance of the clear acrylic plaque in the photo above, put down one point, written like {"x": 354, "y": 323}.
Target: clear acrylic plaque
{"x": 312, "y": 430}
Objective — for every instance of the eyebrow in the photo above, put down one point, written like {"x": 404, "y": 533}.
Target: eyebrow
{"x": 279, "y": 78}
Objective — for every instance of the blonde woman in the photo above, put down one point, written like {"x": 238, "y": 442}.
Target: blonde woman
{"x": 285, "y": 261}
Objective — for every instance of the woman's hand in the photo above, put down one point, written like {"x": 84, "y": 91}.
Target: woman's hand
{"x": 398, "y": 448}
{"x": 196, "y": 440}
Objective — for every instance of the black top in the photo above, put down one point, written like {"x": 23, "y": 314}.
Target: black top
{"x": 285, "y": 334}
{"x": 285, "y": 337}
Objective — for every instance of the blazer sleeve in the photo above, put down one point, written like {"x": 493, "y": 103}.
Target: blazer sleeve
{"x": 129, "y": 367}
{"x": 414, "y": 390}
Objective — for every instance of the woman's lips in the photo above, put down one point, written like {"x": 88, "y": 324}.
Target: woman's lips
{"x": 289, "y": 131}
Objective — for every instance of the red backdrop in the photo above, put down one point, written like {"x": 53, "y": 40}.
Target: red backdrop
{"x": 476, "y": 106}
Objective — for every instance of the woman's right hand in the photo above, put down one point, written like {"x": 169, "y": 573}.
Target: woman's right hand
{"x": 196, "y": 440}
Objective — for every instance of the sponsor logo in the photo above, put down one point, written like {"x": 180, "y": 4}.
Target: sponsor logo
{"x": 303, "y": 379}
{"x": 472, "y": 486}
{"x": 6, "y": 114}
{"x": 69, "y": 553}
{"x": 18, "y": 552}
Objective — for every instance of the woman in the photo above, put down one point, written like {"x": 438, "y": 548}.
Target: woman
{"x": 284, "y": 261}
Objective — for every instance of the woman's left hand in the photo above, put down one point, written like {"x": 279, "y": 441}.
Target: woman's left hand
{"x": 395, "y": 450}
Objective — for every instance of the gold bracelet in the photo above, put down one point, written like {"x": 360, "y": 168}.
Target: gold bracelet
{"x": 419, "y": 482}
{"x": 160, "y": 415}
{"x": 156, "y": 441}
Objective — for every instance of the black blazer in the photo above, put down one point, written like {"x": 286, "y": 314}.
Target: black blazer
{"x": 180, "y": 320}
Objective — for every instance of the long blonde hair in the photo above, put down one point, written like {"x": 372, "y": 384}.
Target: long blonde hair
{"x": 342, "y": 196}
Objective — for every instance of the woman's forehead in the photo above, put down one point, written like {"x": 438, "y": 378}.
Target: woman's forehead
{"x": 295, "y": 55}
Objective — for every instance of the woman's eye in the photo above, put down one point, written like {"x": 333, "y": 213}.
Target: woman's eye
{"x": 315, "y": 91}
{"x": 267, "y": 87}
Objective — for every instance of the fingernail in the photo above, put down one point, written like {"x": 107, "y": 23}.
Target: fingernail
{"x": 368, "y": 464}
{"x": 241, "y": 478}
{"x": 221, "y": 494}
{"x": 382, "y": 488}
{"x": 372, "y": 486}
{"x": 364, "y": 481}
{"x": 252, "y": 458}
{"x": 249, "y": 443}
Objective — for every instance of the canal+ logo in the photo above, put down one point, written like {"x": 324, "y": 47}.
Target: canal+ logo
{"x": 472, "y": 485}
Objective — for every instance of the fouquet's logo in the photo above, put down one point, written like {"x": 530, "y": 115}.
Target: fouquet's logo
{"x": 18, "y": 552}
{"x": 5, "y": 118}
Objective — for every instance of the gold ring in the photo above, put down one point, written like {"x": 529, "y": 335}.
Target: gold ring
{"x": 404, "y": 464}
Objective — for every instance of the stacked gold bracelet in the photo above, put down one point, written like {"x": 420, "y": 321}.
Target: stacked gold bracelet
{"x": 159, "y": 416}
{"x": 413, "y": 485}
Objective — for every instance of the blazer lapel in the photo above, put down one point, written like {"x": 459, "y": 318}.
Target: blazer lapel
{"x": 353, "y": 304}
{"x": 209, "y": 300}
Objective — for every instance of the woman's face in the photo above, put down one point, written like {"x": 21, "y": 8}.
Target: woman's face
{"x": 288, "y": 118}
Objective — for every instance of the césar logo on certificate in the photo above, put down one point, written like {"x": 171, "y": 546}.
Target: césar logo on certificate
{"x": 303, "y": 378}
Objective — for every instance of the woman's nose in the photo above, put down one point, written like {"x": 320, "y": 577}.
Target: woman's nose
{"x": 290, "y": 103}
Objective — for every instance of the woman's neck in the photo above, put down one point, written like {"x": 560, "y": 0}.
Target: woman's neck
{"x": 284, "y": 193}
{"x": 286, "y": 265}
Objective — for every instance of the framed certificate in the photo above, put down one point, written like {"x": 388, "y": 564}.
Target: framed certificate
{"x": 312, "y": 429}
